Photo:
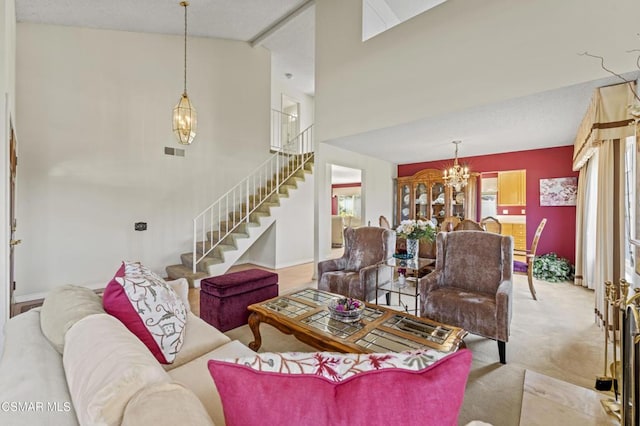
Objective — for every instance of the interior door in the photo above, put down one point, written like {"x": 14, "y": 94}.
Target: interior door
{"x": 13, "y": 165}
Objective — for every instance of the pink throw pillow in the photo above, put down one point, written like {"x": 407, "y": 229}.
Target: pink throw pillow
{"x": 338, "y": 389}
{"x": 149, "y": 308}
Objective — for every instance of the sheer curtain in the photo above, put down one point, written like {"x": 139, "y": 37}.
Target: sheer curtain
{"x": 586, "y": 207}
{"x": 603, "y": 266}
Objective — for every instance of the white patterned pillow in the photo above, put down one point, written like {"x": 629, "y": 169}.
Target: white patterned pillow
{"x": 338, "y": 366}
{"x": 149, "y": 308}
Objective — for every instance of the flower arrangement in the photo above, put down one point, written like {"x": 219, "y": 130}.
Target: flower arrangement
{"x": 346, "y": 309}
{"x": 416, "y": 229}
{"x": 347, "y": 304}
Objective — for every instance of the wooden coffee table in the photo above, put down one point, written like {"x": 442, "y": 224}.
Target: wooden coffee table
{"x": 304, "y": 314}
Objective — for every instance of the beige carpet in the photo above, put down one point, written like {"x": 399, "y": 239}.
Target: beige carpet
{"x": 548, "y": 401}
{"x": 555, "y": 336}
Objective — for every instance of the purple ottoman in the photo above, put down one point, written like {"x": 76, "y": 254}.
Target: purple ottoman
{"x": 224, "y": 299}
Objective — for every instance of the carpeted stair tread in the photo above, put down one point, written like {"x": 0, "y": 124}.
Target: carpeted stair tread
{"x": 180, "y": 271}
{"x": 261, "y": 202}
{"x": 211, "y": 259}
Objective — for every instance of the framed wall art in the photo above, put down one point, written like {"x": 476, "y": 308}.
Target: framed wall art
{"x": 558, "y": 191}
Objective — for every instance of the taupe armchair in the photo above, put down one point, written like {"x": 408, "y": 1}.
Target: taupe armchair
{"x": 468, "y": 225}
{"x": 354, "y": 274}
{"x": 471, "y": 286}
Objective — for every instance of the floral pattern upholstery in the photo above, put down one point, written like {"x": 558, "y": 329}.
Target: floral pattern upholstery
{"x": 337, "y": 366}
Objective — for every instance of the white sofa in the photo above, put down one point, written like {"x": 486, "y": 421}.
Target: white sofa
{"x": 104, "y": 371}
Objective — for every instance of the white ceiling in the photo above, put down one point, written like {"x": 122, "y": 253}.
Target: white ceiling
{"x": 542, "y": 120}
{"x": 538, "y": 121}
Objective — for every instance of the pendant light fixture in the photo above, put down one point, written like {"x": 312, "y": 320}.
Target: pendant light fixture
{"x": 456, "y": 176}
{"x": 185, "y": 120}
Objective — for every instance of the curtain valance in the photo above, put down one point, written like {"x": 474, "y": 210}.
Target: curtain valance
{"x": 607, "y": 118}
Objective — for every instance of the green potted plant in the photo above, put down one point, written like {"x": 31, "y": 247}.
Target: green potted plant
{"x": 550, "y": 267}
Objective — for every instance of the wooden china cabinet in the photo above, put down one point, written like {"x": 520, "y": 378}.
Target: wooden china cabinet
{"x": 424, "y": 195}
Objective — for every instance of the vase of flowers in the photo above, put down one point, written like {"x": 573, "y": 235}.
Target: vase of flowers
{"x": 413, "y": 231}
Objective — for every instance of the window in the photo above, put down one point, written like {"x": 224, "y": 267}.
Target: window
{"x": 629, "y": 209}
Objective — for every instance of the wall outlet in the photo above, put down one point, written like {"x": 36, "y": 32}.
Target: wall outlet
{"x": 140, "y": 226}
{"x": 505, "y": 211}
{"x": 522, "y": 211}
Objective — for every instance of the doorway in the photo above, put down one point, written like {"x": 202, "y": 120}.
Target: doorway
{"x": 290, "y": 125}
{"x": 346, "y": 204}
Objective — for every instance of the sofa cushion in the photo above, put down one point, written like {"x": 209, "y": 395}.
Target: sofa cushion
{"x": 105, "y": 366}
{"x": 165, "y": 404}
{"x": 199, "y": 338}
{"x": 149, "y": 308}
{"x": 181, "y": 287}
{"x": 63, "y": 307}
{"x": 31, "y": 370}
{"x": 354, "y": 389}
{"x": 195, "y": 376}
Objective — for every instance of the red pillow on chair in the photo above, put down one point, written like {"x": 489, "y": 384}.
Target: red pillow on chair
{"x": 379, "y": 389}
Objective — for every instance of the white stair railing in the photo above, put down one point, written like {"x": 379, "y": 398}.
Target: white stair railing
{"x": 232, "y": 209}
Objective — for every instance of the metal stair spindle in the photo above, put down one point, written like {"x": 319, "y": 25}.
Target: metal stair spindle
{"x": 274, "y": 176}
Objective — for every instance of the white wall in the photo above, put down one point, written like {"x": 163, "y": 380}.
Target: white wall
{"x": 458, "y": 55}
{"x": 377, "y": 191}
{"x": 7, "y": 109}
{"x": 95, "y": 115}
{"x": 289, "y": 241}
{"x": 294, "y": 228}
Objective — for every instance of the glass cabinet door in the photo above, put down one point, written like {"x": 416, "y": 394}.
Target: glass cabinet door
{"x": 457, "y": 202}
{"x": 405, "y": 202}
{"x": 437, "y": 201}
{"x": 422, "y": 201}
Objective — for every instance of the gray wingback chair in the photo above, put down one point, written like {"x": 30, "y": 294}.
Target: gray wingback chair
{"x": 471, "y": 286}
{"x": 354, "y": 274}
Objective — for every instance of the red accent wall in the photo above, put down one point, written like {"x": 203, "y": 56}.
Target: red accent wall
{"x": 559, "y": 234}
{"x": 346, "y": 185}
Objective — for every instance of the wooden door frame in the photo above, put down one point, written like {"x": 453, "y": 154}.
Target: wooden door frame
{"x": 13, "y": 165}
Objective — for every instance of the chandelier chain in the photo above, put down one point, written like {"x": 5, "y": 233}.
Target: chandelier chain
{"x": 185, "y": 4}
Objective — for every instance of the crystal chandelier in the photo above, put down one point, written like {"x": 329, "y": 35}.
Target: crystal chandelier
{"x": 185, "y": 120}
{"x": 456, "y": 175}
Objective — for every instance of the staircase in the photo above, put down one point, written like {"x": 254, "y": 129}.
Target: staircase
{"x": 226, "y": 229}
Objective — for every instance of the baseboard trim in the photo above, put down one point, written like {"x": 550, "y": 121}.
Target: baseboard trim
{"x": 294, "y": 263}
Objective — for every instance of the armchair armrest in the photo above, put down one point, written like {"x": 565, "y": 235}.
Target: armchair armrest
{"x": 331, "y": 265}
{"x": 380, "y": 272}
{"x": 368, "y": 273}
{"x": 504, "y": 302}
{"x": 430, "y": 282}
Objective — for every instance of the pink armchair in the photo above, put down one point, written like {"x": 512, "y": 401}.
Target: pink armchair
{"x": 471, "y": 286}
{"x": 354, "y": 274}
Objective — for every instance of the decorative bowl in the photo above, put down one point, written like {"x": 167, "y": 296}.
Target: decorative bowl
{"x": 346, "y": 309}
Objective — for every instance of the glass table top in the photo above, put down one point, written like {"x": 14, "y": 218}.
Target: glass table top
{"x": 379, "y": 330}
